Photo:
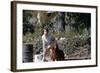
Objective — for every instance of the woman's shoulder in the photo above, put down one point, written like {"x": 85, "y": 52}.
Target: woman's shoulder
{"x": 43, "y": 36}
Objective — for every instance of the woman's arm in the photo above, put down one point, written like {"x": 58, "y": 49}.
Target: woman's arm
{"x": 44, "y": 43}
{"x": 44, "y": 46}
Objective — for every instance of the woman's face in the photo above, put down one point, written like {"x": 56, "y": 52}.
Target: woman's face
{"x": 45, "y": 32}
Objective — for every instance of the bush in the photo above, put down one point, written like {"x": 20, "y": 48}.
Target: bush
{"x": 78, "y": 43}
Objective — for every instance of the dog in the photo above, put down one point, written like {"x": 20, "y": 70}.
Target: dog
{"x": 56, "y": 54}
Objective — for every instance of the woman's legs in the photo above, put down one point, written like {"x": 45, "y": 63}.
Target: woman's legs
{"x": 44, "y": 54}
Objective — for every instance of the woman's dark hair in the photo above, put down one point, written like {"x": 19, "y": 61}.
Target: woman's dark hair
{"x": 45, "y": 29}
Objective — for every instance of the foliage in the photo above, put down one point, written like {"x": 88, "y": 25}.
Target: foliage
{"x": 71, "y": 44}
{"x": 74, "y": 27}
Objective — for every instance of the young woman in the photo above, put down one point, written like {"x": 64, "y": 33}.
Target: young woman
{"x": 46, "y": 39}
